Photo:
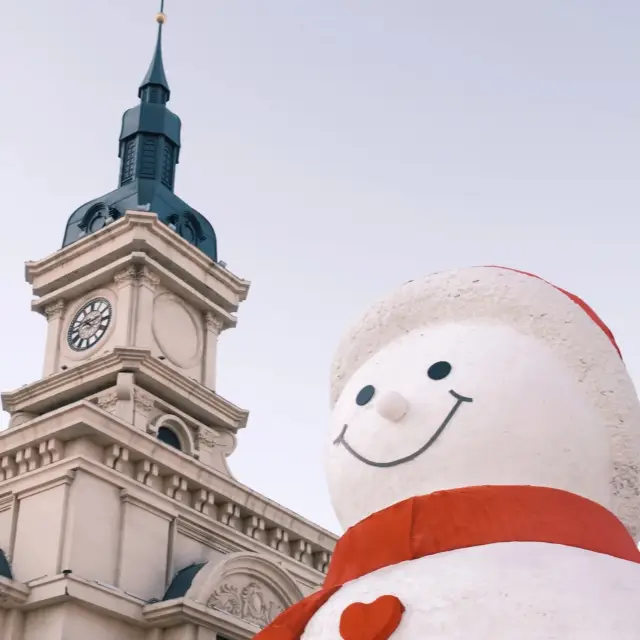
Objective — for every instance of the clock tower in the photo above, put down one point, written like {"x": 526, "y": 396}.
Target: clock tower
{"x": 119, "y": 517}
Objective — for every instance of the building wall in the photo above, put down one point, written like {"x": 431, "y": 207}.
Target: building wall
{"x": 70, "y": 621}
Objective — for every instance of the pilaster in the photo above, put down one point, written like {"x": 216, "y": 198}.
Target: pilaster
{"x": 148, "y": 283}
{"x": 125, "y": 282}
{"x": 54, "y": 314}
{"x": 13, "y": 625}
{"x": 214, "y": 327}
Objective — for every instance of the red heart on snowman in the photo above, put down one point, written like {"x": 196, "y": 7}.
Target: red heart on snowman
{"x": 374, "y": 621}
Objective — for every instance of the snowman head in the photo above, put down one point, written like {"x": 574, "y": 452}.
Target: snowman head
{"x": 482, "y": 376}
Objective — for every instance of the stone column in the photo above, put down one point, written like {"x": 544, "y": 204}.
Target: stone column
{"x": 54, "y": 313}
{"x": 213, "y": 328}
{"x": 149, "y": 282}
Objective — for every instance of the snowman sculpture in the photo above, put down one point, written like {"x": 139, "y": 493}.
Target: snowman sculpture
{"x": 484, "y": 457}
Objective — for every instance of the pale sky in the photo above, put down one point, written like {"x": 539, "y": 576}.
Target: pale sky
{"x": 339, "y": 148}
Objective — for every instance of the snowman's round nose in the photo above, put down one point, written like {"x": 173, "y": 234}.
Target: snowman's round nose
{"x": 392, "y": 406}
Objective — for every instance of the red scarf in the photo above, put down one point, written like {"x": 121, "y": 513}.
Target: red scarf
{"x": 457, "y": 519}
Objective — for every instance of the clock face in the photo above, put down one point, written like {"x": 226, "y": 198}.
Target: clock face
{"x": 89, "y": 324}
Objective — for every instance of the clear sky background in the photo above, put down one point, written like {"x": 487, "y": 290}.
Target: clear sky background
{"x": 340, "y": 148}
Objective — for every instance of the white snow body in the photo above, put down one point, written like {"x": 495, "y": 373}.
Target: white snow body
{"x": 505, "y": 591}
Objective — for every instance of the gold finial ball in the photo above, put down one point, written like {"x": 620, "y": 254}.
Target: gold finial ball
{"x": 161, "y": 18}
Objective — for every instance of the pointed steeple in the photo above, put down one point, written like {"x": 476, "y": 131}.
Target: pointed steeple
{"x": 149, "y": 152}
{"x": 150, "y": 135}
{"x": 156, "y": 77}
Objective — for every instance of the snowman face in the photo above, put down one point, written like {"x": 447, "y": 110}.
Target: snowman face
{"x": 462, "y": 405}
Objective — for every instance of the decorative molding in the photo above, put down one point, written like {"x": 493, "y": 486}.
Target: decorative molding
{"x": 6, "y": 502}
{"x": 8, "y": 467}
{"x": 91, "y": 375}
{"x": 278, "y": 539}
{"x": 181, "y": 611}
{"x": 206, "y": 437}
{"x": 200, "y": 494}
{"x": 27, "y": 460}
{"x": 128, "y": 498}
{"x": 127, "y": 276}
{"x": 205, "y": 502}
{"x": 302, "y": 551}
{"x": 12, "y": 593}
{"x": 230, "y": 514}
{"x": 21, "y": 417}
{"x": 51, "y": 451}
{"x": 205, "y": 536}
{"x": 249, "y": 601}
{"x": 255, "y": 527}
{"x": 117, "y": 458}
{"x": 321, "y": 560}
{"x": 65, "y": 480}
{"x": 107, "y": 402}
{"x": 177, "y": 488}
{"x": 146, "y": 471}
{"x": 55, "y": 310}
{"x": 148, "y": 278}
{"x": 246, "y": 585}
{"x": 213, "y": 323}
{"x": 142, "y": 402}
{"x": 129, "y": 225}
{"x": 223, "y": 440}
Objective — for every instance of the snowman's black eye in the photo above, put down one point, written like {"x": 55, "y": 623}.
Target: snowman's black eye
{"x": 439, "y": 370}
{"x": 365, "y": 394}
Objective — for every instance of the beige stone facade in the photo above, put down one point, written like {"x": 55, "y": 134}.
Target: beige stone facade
{"x": 119, "y": 517}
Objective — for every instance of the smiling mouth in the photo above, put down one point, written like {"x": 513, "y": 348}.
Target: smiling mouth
{"x": 340, "y": 440}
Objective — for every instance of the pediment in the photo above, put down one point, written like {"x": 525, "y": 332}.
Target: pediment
{"x": 248, "y": 598}
{"x": 246, "y": 586}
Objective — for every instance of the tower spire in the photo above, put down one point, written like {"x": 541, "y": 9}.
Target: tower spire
{"x": 150, "y": 136}
{"x": 149, "y": 153}
{"x": 156, "y": 77}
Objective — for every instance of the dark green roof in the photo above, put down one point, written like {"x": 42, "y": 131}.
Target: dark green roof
{"x": 155, "y": 74}
{"x": 182, "y": 582}
{"x": 149, "y": 153}
{"x": 5, "y": 569}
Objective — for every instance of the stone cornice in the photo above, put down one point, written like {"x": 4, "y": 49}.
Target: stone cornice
{"x": 12, "y": 593}
{"x": 180, "y": 611}
{"x": 114, "y": 602}
{"x": 151, "y": 374}
{"x": 106, "y": 598}
{"x": 146, "y": 266}
{"x": 137, "y": 231}
{"x": 84, "y": 419}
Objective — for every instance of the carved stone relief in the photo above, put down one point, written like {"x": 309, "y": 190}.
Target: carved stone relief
{"x": 247, "y": 599}
{"x": 55, "y": 310}
{"x": 108, "y": 402}
{"x": 142, "y": 402}
{"x": 21, "y": 417}
{"x": 208, "y": 438}
{"x": 148, "y": 278}
{"x": 127, "y": 276}
{"x": 137, "y": 274}
{"x": 213, "y": 323}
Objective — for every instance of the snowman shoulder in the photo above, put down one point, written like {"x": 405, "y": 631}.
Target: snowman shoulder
{"x": 498, "y": 589}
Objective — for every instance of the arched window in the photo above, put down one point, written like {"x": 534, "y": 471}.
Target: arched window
{"x": 168, "y": 436}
